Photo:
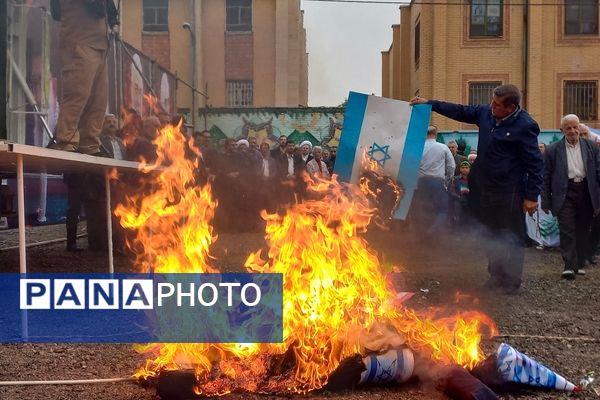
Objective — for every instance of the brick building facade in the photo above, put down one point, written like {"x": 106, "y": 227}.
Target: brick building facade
{"x": 248, "y": 52}
{"x": 458, "y": 51}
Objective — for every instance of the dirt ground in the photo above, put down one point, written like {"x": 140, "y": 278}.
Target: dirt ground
{"x": 565, "y": 313}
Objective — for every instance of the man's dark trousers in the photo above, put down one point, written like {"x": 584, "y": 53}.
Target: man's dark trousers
{"x": 75, "y": 193}
{"x": 574, "y": 220}
{"x": 502, "y": 214}
{"x": 430, "y": 210}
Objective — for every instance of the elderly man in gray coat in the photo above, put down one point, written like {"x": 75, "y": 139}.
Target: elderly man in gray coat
{"x": 572, "y": 191}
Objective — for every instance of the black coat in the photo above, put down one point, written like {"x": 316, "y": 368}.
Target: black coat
{"x": 508, "y": 157}
{"x": 142, "y": 149}
{"x": 556, "y": 179}
{"x": 282, "y": 165}
{"x": 106, "y": 143}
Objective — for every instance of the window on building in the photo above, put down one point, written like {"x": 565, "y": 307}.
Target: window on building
{"x": 417, "y": 43}
{"x": 239, "y": 93}
{"x": 581, "y": 17}
{"x": 238, "y": 15}
{"x": 581, "y": 99}
{"x": 481, "y": 92}
{"x": 486, "y": 18}
{"x": 156, "y": 15}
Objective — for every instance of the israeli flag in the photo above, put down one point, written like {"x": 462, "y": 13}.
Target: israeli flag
{"x": 391, "y": 132}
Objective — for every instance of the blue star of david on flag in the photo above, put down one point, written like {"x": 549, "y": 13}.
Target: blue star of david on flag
{"x": 386, "y": 373}
{"x": 379, "y": 153}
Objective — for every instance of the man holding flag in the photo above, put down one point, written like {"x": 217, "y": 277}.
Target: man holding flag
{"x": 508, "y": 174}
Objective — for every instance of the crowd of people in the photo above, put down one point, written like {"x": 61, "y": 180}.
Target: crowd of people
{"x": 246, "y": 176}
{"x": 509, "y": 176}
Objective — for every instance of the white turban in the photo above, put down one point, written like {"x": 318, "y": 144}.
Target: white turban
{"x": 241, "y": 142}
{"x": 306, "y": 142}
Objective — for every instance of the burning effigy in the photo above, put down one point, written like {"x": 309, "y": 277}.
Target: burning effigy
{"x": 341, "y": 325}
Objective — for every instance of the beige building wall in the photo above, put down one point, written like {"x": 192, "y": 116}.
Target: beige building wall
{"x": 303, "y": 60}
{"x": 212, "y": 33}
{"x": 160, "y": 45}
{"x": 386, "y": 67}
{"x": 450, "y": 59}
{"x": 275, "y": 50}
{"x": 131, "y": 22}
{"x": 265, "y": 26}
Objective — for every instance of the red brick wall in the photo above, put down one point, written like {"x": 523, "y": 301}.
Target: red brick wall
{"x": 239, "y": 56}
{"x": 157, "y": 47}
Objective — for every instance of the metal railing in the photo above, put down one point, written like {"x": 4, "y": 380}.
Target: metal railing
{"x": 581, "y": 99}
{"x": 481, "y": 92}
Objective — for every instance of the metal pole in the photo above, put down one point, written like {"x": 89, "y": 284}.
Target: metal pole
{"x": 111, "y": 266}
{"x": 194, "y": 79}
{"x": 67, "y": 382}
{"x": 124, "y": 47}
{"x": 22, "y": 252}
{"x": 21, "y": 216}
{"x": 28, "y": 94}
{"x": 191, "y": 27}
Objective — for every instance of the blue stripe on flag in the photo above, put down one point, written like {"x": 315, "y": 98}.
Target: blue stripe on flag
{"x": 412, "y": 154}
{"x": 353, "y": 120}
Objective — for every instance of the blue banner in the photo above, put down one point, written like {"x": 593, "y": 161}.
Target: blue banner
{"x": 141, "y": 308}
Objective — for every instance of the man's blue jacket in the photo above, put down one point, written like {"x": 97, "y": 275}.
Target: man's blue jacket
{"x": 508, "y": 156}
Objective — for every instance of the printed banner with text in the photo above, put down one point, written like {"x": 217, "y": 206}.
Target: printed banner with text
{"x": 141, "y": 308}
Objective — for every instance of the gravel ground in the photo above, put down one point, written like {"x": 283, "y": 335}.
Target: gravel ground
{"x": 35, "y": 234}
{"x": 566, "y": 313}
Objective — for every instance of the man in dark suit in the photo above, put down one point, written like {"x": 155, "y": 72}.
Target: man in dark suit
{"x": 572, "y": 192}
{"x": 267, "y": 173}
{"x": 110, "y": 144}
{"x": 458, "y": 159}
{"x": 290, "y": 168}
{"x": 505, "y": 180}
{"x": 279, "y": 150}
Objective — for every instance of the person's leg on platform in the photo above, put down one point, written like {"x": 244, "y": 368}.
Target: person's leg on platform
{"x": 77, "y": 80}
{"x": 92, "y": 119}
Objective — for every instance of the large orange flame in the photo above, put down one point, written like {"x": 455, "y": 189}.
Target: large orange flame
{"x": 337, "y": 300}
{"x": 172, "y": 214}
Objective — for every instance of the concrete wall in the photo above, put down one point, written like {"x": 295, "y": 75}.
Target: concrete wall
{"x": 319, "y": 125}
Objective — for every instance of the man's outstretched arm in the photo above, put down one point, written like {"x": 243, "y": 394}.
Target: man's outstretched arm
{"x": 457, "y": 112}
